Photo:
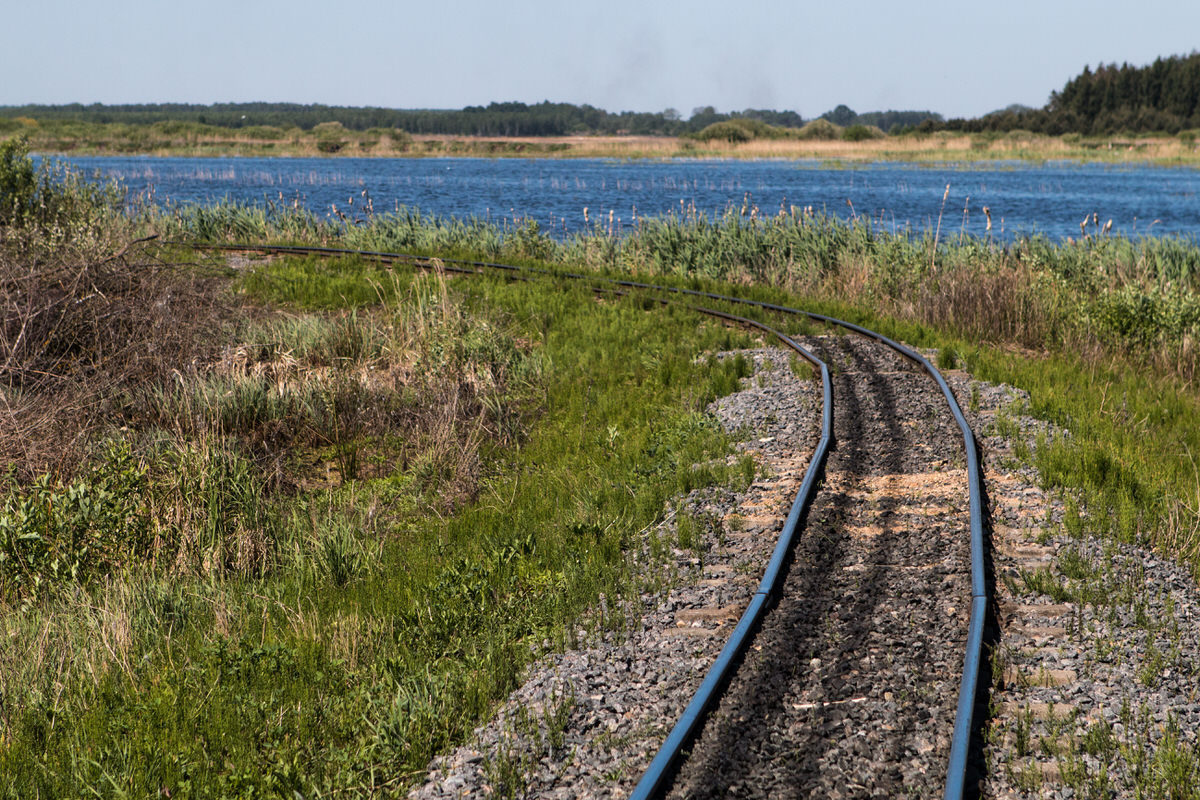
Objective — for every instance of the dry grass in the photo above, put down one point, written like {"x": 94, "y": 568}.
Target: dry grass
{"x": 76, "y": 330}
{"x": 83, "y": 638}
{"x": 936, "y": 147}
{"x": 932, "y": 148}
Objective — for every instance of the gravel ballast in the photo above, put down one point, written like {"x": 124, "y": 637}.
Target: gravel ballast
{"x": 1097, "y": 661}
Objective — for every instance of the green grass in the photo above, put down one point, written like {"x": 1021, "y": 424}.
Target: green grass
{"x": 737, "y": 138}
{"x": 1166, "y": 768}
{"x": 364, "y": 641}
{"x": 327, "y": 636}
{"x": 1104, "y": 328}
{"x": 1131, "y": 297}
{"x": 1126, "y": 463}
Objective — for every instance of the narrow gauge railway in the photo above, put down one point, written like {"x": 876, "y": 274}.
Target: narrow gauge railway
{"x": 840, "y": 680}
{"x": 850, "y": 685}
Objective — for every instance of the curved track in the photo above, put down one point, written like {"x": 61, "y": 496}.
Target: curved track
{"x": 847, "y": 686}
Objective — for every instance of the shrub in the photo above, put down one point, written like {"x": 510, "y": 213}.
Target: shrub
{"x": 18, "y": 183}
{"x": 176, "y": 127}
{"x": 261, "y": 132}
{"x": 729, "y": 131}
{"x": 742, "y": 129}
{"x": 52, "y": 536}
{"x": 861, "y": 133}
{"x": 49, "y": 200}
{"x": 820, "y": 129}
{"x": 330, "y": 136}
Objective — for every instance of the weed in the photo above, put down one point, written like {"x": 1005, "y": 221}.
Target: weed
{"x": 749, "y": 467}
{"x": 1043, "y": 581}
{"x": 1022, "y": 733}
{"x": 1073, "y": 565}
{"x": 1153, "y": 662}
{"x": 510, "y": 508}
{"x": 801, "y": 368}
{"x": 316, "y": 604}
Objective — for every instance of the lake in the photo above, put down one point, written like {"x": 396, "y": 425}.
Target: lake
{"x": 1050, "y": 199}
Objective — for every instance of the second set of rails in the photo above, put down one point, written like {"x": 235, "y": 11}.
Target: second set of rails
{"x": 748, "y": 730}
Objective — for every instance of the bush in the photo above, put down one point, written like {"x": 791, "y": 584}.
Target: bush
{"x": 49, "y": 199}
{"x": 52, "y": 536}
{"x": 18, "y": 183}
{"x": 820, "y": 129}
{"x": 742, "y": 129}
{"x": 179, "y": 128}
{"x": 861, "y": 133}
{"x": 729, "y": 131}
{"x": 330, "y": 136}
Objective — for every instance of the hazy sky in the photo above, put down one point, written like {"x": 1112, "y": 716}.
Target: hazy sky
{"x": 959, "y": 58}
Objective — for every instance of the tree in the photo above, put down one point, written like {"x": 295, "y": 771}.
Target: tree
{"x": 843, "y": 115}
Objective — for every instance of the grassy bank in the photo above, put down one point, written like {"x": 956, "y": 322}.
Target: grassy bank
{"x": 819, "y": 140}
{"x": 295, "y": 526}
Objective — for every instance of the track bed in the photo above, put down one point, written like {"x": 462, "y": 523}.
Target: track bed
{"x": 849, "y": 687}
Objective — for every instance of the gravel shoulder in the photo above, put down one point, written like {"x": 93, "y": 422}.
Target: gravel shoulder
{"x": 1096, "y": 666}
{"x": 850, "y": 687}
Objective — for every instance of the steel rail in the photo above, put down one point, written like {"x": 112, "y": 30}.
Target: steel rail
{"x": 658, "y": 775}
{"x": 654, "y": 779}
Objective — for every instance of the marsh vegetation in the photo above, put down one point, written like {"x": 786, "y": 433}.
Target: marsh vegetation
{"x": 288, "y": 525}
{"x": 737, "y": 138}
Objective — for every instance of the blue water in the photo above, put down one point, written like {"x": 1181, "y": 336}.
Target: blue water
{"x": 1024, "y": 199}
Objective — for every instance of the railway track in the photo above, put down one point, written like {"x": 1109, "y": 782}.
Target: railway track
{"x": 850, "y": 685}
{"x": 853, "y": 672}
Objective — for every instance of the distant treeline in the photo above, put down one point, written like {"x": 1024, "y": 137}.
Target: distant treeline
{"x": 495, "y": 119}
{"x": 886, "y": 121}
{"x": 1161, "y": 97}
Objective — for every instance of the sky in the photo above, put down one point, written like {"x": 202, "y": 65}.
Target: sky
{"x": 961, "y": 59}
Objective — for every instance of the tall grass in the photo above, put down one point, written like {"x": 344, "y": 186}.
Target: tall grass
{"x": 1135, "y": 298}
{"x": 351, "y": 518}
{"x": 352, "y": 533}
{"x": 735, "y": 139}
{"x": 1112, "y": 314}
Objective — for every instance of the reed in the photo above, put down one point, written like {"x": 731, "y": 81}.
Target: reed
{"x": 1103, "y": 300}
{"x": 1136, "y": 297}
{"x": 813, "y": 142}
